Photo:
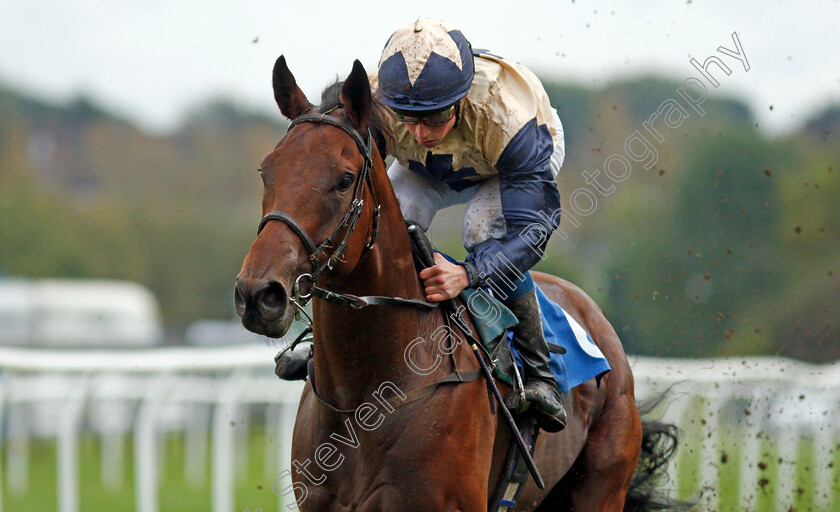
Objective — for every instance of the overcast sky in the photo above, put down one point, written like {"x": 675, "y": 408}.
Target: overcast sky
{"x": 152, "y": 60}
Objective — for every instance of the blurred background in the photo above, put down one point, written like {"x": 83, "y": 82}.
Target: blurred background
{"x": 129, "y": 135}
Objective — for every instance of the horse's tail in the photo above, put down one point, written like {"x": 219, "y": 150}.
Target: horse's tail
{"x": 659, "y": 446}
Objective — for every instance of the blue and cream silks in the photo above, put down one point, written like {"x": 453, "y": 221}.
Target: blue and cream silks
{"x": 508, "y": 138}
{"x": 425, "y": 65}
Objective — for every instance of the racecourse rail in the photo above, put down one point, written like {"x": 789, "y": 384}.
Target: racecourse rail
{"x": 220, "y": 394}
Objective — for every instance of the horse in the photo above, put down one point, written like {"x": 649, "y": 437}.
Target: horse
{"x": 383, "y": 436}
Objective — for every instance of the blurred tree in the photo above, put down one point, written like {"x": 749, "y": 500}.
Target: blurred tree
{"x": 685, "y": 288}
{"x": 728, "y": 245}
{"x": 805, "y": 320}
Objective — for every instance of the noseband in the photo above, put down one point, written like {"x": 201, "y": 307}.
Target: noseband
{"x": 351, "y": 216}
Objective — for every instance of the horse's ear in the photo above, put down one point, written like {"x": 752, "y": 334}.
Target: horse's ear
{"x": 287, "y": 94}
{"x": 355, "y": 96}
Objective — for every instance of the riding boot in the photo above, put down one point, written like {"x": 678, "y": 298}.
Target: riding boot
{"x": 540, "y": 387}
{"x": 291, "y": 365}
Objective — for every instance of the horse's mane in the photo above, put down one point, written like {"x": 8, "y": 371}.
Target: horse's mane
{"x": 331, "y": 98}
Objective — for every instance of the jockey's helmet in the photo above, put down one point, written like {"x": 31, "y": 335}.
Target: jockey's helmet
{"x": 426, "y": 65}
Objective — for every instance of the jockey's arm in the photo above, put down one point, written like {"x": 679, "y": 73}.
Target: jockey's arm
{"x": 527, "y": 187}
{"x": 530, "y": 206}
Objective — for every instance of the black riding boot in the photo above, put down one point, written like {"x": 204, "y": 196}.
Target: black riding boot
{"x": 540, "y": 387}
{"x": 292, "y": 364}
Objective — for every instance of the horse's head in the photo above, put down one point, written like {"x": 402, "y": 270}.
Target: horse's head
{"x": 317, "y": 200}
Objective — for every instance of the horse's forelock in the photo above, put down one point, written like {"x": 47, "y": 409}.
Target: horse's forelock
{"x": 331, "y": 99}
{"x": 331, "y": 96}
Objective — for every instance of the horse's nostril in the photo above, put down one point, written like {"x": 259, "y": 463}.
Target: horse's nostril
{"x": 239, "y": 300}
{"x": 273, "y": 299}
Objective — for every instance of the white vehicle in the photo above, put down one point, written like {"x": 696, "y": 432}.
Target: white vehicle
{"x": 78, "y": 313}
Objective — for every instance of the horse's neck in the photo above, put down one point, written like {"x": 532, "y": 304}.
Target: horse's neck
{"x": 356, "y": 350}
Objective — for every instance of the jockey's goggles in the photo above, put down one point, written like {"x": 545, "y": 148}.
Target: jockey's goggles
{"x": 434, "y": 118}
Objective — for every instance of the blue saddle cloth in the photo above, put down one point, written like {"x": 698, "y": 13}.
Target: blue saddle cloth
{"x": 582, "y": 361}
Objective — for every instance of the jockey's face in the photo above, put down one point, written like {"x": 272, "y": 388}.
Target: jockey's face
{"x": 430, "y": 136}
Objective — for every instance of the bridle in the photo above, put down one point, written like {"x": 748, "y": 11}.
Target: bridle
{"x": 351, "y": 216}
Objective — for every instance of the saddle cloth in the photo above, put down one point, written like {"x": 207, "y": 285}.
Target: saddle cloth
{"x": 582, "y": 361}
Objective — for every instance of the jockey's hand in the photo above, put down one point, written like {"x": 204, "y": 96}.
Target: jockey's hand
{"x": 445, "y": 280}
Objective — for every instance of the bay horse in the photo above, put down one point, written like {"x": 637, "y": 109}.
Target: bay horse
{"x": 330, "y": 214}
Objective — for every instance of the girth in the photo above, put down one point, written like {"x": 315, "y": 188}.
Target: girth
{"x": 457, "y": 377}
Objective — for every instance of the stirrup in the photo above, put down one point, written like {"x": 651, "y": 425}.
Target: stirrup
{"x": 546, "y": 405}
{"x": 291, "y": 365}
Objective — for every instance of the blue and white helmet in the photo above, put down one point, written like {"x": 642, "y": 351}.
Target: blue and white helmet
{"x": 426, "y": 65}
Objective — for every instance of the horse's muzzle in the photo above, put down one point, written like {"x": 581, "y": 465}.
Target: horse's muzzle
{"x": 262, "y": 305}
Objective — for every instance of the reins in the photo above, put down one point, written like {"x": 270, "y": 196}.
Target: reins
{"x": 349, "y": 221}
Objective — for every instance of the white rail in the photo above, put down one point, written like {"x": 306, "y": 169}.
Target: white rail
{"x": 34, "y": 384}
{"x": 753, "y": 407}
{"x": 200, "y": 391}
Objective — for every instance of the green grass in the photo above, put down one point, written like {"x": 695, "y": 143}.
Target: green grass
{"x": 253, "y": 488}
{"x": 764, "y": 494}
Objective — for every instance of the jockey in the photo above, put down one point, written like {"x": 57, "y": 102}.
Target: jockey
{"x": 468, "y": 126}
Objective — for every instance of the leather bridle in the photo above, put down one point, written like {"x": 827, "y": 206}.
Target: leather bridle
{"x": 351, "y": 216}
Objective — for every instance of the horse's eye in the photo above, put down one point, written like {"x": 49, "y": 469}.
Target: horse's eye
{"x": 345, "y": 181}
